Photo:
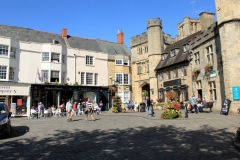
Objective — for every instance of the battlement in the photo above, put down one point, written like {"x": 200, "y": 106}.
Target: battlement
{"x": 204, "y": 35}
{"x": 151, "y": 22}
{"x": 139, "y": 39}
{"x": 168, "y": 39}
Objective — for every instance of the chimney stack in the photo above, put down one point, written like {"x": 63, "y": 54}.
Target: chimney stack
{"x": 64, "y": 32}
{"x": 120, "y": 37}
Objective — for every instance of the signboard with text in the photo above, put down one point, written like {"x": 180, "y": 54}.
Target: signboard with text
{"x": 236, "y": 92}
{"x": 225, "y": 107}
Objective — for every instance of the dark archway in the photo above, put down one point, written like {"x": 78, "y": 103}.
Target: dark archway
{"x": 146, "y": 87}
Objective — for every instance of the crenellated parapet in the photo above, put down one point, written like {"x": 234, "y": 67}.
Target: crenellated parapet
{"x": 168, "y": 39}
{"x": 204, "y": 36}
{"x": 139, "y": 39}
{"x": 151, "y": 22}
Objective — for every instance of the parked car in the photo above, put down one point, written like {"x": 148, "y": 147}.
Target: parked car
{"x": 5, "y": 120}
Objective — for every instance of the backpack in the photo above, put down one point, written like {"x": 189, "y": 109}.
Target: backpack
{"x": 42, "y": 108}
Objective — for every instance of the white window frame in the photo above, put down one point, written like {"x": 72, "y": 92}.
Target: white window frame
{"x": 89, "y": 78}
{"x": 45, "y": 75}
{"x": 160, "y": 76}
{"x": 120, "y": 78}
{"x": 168, "y": 75}
{"x": 55, "y": 57}
{"x": 82, "y": 78}
{"x": 197, "y": 58}
{"x": 3, "y": 72}
{"x": 45, "y": 57}
{"x": 212, "y": 90}
{"x": 13, "y": 52}
{"x": 4, "y": 50}
{"x": 118, "y": 62}
{"x": 54, "y": 74}
{"x": 89, "y": 60}
{"x": 199, "y": 84}
{"x": 185, "y": 48}
{"x": 184, "y": 70}
{"x": 126, "y": 96}
{"x": 96, "y": 79}
{"x": 11, "y": 73}
{"x": 209, "y": 54}
{"x": 175, "y": 73}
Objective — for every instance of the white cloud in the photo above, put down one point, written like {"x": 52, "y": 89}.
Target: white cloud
{"x": 193, "y": 2}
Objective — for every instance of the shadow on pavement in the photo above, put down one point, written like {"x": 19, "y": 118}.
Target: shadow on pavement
{"x": 16, "y": 132}
{"x": 132, "y": 143}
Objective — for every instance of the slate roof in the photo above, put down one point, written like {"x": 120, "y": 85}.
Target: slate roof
{"x": 30, "y": 35}
{"x": 180, "y": 57}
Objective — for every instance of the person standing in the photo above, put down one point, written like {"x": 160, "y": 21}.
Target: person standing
{"x": 193, "y": 102}
{"x": 148, "y": 104}
{"x": 89, "y": 110}
{"x": 74, "y": 109}
{"x": 69, "y": 110}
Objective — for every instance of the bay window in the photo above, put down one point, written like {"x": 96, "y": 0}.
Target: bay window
{"x": 123, "y": 78}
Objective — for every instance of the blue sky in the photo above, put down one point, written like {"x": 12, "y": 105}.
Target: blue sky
{"x": 100, "y": 18}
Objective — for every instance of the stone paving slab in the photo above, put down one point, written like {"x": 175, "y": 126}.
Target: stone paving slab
{"x": 122, "y": 136}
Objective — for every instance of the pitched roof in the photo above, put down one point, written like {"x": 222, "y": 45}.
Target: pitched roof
{"x": 30, "y": 35}
{"x": 180, "y": 57}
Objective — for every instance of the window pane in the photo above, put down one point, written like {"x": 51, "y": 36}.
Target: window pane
{"x": 44, "y": 75}
{"x": 118, "y": 61}
{"x": 126, "y": 96}
{"x": 55, "y": 57}
{"x": 11, "y": 73}
{"x": 119, "y": 78}
{"x": 89, "y": 60}
{"x": 13, "y": 52}
{"x": 45, "y": 56}
{"x": 125, "y": 78}
{"x": 96, "y": 79}
{"x": 82, "y": 77}
{"x": 3, "y": 72}
{"x": 89, "y": 79}
{"x": 3, "y": 50}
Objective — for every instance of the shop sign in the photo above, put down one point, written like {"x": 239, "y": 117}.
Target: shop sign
{"x": 6, "y": 89}
{"x": 126, "y": 88}
{"x": 213, "y": 74}
{"x": 236, "y": 92}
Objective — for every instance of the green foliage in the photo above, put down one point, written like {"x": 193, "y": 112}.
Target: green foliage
{"x": 46, "y": 81}
{"x": 76, "y": 84}
{"x": 117, "y": 104}
{"x": 56, "y": 81}
{"x": 145, "y": 93}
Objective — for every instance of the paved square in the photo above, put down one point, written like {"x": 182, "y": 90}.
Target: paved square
{"x": 122, "y": 136}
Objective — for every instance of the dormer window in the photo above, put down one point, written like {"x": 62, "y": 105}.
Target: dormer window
{"x": 174, "y": 52}
{"x": 164, "y": 55}
{"x": 121, "y": 62}
{"x": 185, "y": 47}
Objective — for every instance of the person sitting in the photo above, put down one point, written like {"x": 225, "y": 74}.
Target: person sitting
{"x": 33, "y": 112}
{"x": 126, "y": 107}
{"x": 136, "y": 107}
{"x": 95, "y": 108}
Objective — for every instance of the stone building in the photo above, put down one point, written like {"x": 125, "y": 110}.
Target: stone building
{"x": 213, "y": 45}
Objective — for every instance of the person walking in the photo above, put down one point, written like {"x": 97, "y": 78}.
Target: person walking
{"x": 89, "y": 110}
{"x": 74, "y": 109}
{"x": 148, "y": 104}
{"x": 193, "y": 102}
{"x": 69, "y": 110}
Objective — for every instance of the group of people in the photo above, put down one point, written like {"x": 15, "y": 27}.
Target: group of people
{"x": 130, "y": 106}
{"x": 196, "y": 104}
{"x": 87, "y": 108}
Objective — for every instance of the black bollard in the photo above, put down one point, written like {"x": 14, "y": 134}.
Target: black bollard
{"x": 186, "y": 111}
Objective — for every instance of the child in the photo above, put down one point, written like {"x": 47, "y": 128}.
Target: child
{"x": 34, "y": 112}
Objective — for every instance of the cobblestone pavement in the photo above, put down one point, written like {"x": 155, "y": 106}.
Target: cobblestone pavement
{"x": 122, "y": 136}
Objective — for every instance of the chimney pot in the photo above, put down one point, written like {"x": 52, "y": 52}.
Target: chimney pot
{"x": 120, "y": 37}
{"x": 64, "y": 32}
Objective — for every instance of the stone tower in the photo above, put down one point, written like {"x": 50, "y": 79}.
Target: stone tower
{"x": 155, "y": 48}
{"x": 228, "y": 15}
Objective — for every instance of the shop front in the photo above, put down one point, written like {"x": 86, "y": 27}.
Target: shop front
{"x": 16, "y": 96}
{"x": 55, "y": 95}
{"x": 174, "y": 85}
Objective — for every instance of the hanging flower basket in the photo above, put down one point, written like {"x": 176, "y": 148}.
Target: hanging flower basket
{"x": 112, "y": 89}
{"x": 208, "y": 68}
{"x": 196, "y": 72}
